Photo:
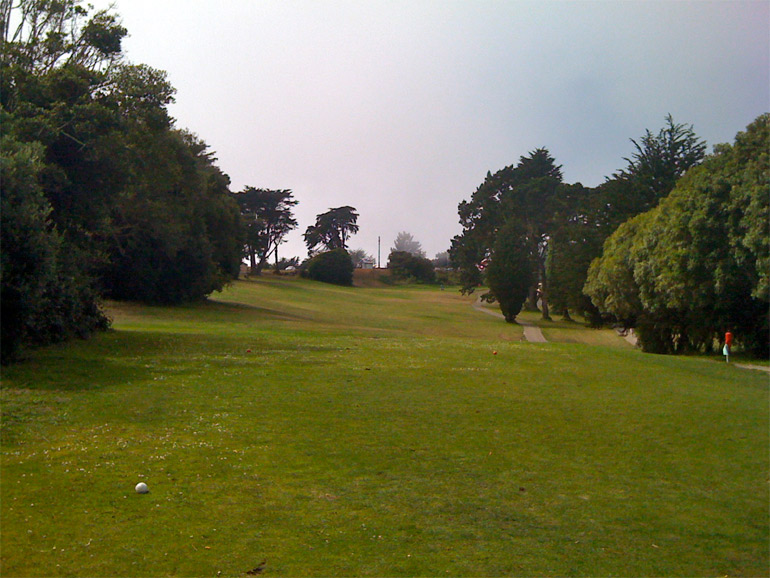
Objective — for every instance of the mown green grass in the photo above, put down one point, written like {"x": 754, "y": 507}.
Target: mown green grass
{"x": 373, "y": 432}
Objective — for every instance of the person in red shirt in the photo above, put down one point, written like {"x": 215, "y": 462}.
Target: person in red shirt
{"x": 728, "y": 346}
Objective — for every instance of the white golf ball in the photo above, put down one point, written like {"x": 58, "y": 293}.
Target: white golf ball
{"x": 141, "y": 488}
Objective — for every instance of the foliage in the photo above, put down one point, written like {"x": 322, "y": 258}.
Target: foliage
{"x": 333, "y": 266}
{"x": 332, "y": 229}
{"x": 442, "y": 260}
{"x": 660, "y": 160}
{"x": 405, "y": 242}
{"x": 132, "y": 207}
{"x": 525, "y": 194}
{"x": 585, "y": 217}
{"x": 41, "y": 36}
{"x": 610, "y": 283}
{"x": 176, "y": 238}
{"x": 574, "y": 240}
{"x": 406, "y": 266}
{"x": 359, "y": 256}
{"x": 510, "y": 270}
{"x": 54, "y": 60}
{"x": 268, "y": 218}
{"x": 45, "y": 294}
{"x": 692, "y": 268}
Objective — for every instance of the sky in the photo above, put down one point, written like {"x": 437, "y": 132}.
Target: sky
{"x": 399, "y": 108}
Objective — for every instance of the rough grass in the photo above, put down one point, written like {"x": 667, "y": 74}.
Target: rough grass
{"x": 347, "y": 431}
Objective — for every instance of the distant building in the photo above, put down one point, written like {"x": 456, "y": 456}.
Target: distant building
{"x": 367, "y": 263}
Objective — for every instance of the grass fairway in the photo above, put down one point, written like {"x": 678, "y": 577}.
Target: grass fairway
{"x": 372, "y": 432}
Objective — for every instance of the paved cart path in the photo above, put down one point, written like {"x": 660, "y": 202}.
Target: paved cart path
{"x": 758, "y": 367}
{"x": 532, "y": 332}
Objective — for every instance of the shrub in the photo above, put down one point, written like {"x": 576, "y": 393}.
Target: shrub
{"x": 406, "y": 266}
{"x": 46, "y": 293}
{"x": 334, "y": 267}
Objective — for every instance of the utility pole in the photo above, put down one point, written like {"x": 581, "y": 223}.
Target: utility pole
{"x": 378, "y": 252}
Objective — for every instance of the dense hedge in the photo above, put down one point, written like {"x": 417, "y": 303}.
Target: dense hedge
{"x": 406, "y": 266}
{"x": 333, "y": 266}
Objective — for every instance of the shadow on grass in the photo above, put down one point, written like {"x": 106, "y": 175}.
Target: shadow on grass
{"x": 208, "y": 310}
{"x": 126, "y": 357}
{"x": 49, "y": 370}
{"x": 213, "y": 305}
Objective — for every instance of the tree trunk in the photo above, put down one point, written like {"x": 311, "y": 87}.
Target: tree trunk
{"x": 531, "y": 303}
{"x": 544, "y": 306}
{"x": 261, "y": 265}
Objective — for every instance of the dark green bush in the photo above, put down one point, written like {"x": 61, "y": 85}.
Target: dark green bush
{"x": 405, "y": 266}
{"x": 334, "y": 266}
{"x": 46, "y": 293}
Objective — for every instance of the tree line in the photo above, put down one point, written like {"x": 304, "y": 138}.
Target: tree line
{"x": 674, "y": 245}
{"x": 102, "y": 195}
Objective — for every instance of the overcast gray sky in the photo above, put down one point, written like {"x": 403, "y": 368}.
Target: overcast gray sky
{"x": 399, "y": 108}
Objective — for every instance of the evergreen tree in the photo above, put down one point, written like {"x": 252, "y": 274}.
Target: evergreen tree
{"x": 332, "y": 229}
{"x": 268, "y": 218}
{"x": 525, "y": 195}
{"x": 510, "y": 273}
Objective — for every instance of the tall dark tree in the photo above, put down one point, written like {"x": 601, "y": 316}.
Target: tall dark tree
{"x": 524, "y": 194}
{"x": 510, "y": 272}
{"x": 585, "y": 218}
{"x": 332, "y": 229}
{"x": 175, "y": 231}
{"x": 55, "y": 58}
{"x": 574, "y": 241}
{"x": 659, "y": 161}
{"x": 268, "y": 218}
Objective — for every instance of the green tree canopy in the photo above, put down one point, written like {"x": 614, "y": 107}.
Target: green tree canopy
{"x": 406, "y": 242}
{"x": 127, "y": 205}
{"x": 584, "y": 218}
{"x": 335, "y": 267}
{"x": 695, "y": 266}
{"x": 524, "y": 194}
{"x": 268, "y": 218}
{"x": 407, "y": 266}
{"x": 660, "y": 160}
{"x": 332, "y": 229}
{"x": 510, "y": 272}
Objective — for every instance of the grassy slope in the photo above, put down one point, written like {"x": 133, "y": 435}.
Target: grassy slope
{"x": 373, "y": 432}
